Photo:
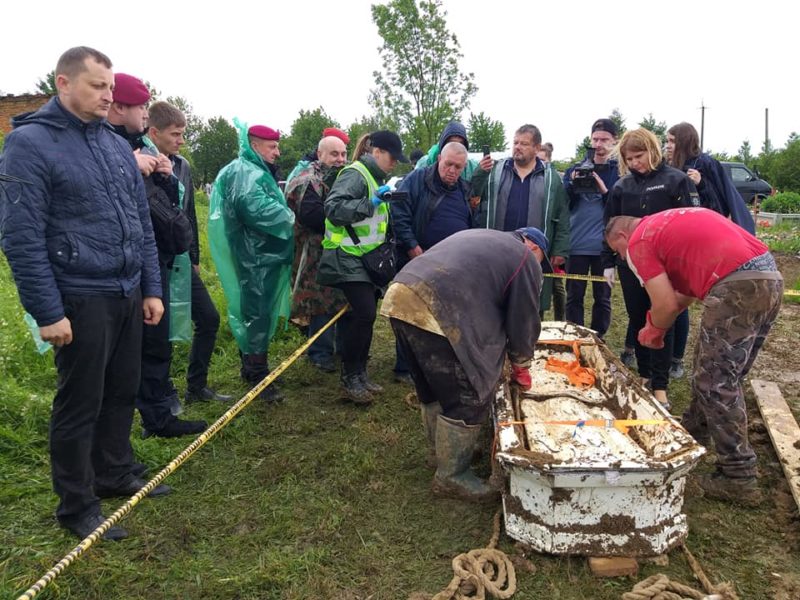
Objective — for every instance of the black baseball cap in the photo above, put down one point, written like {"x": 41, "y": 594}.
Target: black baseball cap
{"x": 606, "y": 125}
{"x": 389, "y": 141}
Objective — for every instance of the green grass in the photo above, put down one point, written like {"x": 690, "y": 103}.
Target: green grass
{"x": 312, "y": 498}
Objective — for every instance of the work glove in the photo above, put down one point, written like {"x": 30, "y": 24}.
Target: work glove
{"x": 521, "y": 375}
{"x": 611, "y": 276}
{"x": 378, "y": 197}
{"x": 651, "y": 336}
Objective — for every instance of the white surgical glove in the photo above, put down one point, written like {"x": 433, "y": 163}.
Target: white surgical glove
{"x": 610, "y": 275}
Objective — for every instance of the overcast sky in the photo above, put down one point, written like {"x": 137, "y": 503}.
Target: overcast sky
{"x": 558, "y": 65}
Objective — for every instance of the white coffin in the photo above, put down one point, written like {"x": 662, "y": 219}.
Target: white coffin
{"x": 591, "y": 490}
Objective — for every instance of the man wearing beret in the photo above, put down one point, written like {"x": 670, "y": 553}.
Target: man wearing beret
{"x": 251, "y": 235}
{"x": 128, "y": 116}
{"x": 80, "y": 245}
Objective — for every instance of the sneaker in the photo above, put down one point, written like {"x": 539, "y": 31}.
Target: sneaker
{"x": 737, "y": 490}
{"x": 86, "y": 525}
{"x": 176, "y": 428}
{"x": 354, "y": 391}
{"x": 404, "y": 378}
{"x": 272, "y": 394}
{"x": 205, "y": 395}
{"x": 676, "y": 370}
{"x": 628, "y": 358}
{"x": 370, "y": 386}
{"x": 130, "y": 487}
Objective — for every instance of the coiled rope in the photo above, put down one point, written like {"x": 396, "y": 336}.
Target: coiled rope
{"x": 204, "y": 437}
{"x": 661, "y": 587}
{"x": 478, "y": 572}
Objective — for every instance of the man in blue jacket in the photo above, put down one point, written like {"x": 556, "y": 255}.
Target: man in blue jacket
{"x": 80, "y": 244}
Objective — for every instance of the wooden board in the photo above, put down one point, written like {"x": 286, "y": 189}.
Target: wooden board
{"x": 615, "y": 566}
{"x": 783, "y": 431}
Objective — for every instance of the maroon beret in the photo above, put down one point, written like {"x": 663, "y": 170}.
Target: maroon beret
{"x": 334, "y": 132}
{"x": 130, "y": 90}
{"x": 264, "y": 132}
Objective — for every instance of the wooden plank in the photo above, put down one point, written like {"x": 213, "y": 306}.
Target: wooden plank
{"x": 615, "y": 566}
{"x": 783, "y": 431}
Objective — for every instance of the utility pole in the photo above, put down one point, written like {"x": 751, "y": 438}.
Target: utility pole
{"x": 766, "y": 130}
{"x": 702, "y": 123}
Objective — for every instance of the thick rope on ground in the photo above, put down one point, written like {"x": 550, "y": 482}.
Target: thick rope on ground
{"x": 661, "y": 587}
{"x": 478, "y": 572}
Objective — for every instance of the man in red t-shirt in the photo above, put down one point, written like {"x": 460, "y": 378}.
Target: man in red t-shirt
{"x": 687, "y": 254}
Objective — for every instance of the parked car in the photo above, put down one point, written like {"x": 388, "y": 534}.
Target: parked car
{"x": 749, "y": 184}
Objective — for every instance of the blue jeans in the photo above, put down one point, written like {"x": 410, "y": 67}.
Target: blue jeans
{"x": 323, "y": 348}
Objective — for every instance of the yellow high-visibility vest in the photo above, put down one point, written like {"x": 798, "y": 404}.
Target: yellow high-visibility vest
{"x": 371, "y": 231}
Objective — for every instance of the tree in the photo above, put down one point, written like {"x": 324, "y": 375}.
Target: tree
{"x": 782, "y": 167}
{"x": 483, "y": 131}
{"x": 745, "y": 153}
{"x": 304, "y": 136}
{"x": 217, "y": 144}
{"x": 659, "y": 128}
{"x": 421, "y": 85}
{"x": 47, "y": 85}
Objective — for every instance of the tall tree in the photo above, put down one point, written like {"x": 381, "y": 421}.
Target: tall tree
{"x": 421, "y": 83}
{"x": 47, "y": 85}
{"x": 657, "y": 127}
{"x": 303, "y": 137}
{"x": 217, "y": 144}
{"x": 483, "y": 131}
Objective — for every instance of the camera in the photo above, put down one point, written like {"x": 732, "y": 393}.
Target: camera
{"x": 584, "y": 174}
{"x": 486, "y": 151}
{"x": 394, "y": 196}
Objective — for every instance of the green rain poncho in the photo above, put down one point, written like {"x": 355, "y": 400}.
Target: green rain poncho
{"x": 250, "y": 231}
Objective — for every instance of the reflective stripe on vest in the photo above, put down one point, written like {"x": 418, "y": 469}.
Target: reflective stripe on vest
{"x": 371, "y": 231}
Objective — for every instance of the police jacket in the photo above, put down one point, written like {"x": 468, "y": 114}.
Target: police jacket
{"x": 81, "y": 224}
{"x": 637, "y": 195}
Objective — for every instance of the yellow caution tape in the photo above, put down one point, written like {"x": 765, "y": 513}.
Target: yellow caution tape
{"x": 123, "y": 510}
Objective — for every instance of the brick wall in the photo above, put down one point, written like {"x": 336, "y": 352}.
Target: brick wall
{"x": 11, "y": 106}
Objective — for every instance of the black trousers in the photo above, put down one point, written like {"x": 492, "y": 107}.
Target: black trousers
{"x": 357, "y": 324}
{"x": 155, "y": 385}
{"x": 579, "y": 264}
{"x": 437, "y": 374}
{"x": 653, "y": 364}
{"x": 206, "y": 323}
{"x": 90, "y": 426}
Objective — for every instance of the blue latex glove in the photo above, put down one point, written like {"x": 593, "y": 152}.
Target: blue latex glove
{"x": 378, "y": 197}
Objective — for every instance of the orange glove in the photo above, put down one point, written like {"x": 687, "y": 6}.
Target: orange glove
{"x": 521, "y": 376}
{"x": 651, "y": 336}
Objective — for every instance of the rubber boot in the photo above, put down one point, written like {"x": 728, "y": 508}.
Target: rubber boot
{"x": 353, "y": 389}
{"x": 455, "y": 442}
{"x": 430, "y": 414}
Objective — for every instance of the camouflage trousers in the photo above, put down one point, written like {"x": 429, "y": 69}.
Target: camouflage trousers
{"x": 737, "y": 317}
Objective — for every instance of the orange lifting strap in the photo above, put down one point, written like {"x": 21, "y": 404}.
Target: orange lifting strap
{"x": 582, "y": 377}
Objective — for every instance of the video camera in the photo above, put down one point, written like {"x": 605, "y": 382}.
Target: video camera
{"x": 394, "y": 196}
{"x": 584, "y": 174}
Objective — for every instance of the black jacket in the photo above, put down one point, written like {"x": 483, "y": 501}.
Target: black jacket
{"x": 637, "y": 195}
